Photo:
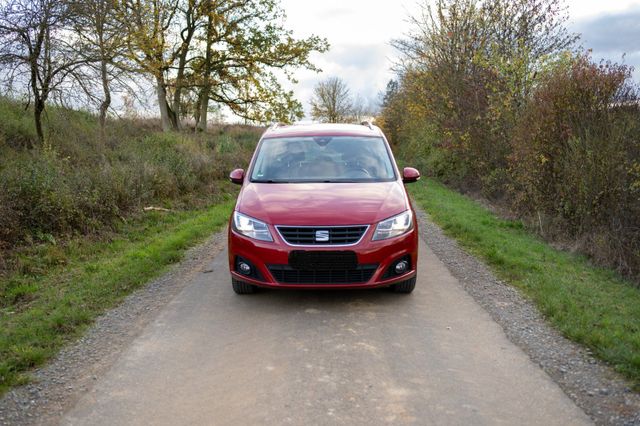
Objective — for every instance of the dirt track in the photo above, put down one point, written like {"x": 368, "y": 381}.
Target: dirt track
{"x": 434, "y": 357}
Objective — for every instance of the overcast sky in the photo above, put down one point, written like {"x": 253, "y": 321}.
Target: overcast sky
{"x": 359, "y": 32}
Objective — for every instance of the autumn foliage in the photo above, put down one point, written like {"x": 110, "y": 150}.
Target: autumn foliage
{"x": 491, "y": 98}
{"x": 575, "y": 159}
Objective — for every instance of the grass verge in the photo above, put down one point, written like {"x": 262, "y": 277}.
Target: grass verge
{"x": 38, "y": 314}
{"x": 590, "y": 305}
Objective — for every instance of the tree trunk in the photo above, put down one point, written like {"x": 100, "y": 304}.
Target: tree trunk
{"x": 203, "y": 105}
{"x": 37, "y": 116}
{"x": 176, "y": 102}
{"x": 177, "y": 95}
{"x": 196, "y": 114}
{"x": 38, "y": 105}
{"x": 203, "y": 100}
{"x": 165, "y": 112}
{"x": 106, "y": 102}
{"x": 187, "y": 35}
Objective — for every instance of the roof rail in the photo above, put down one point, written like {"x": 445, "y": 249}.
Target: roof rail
{"x": 367, "y": 123}
{"x": 276, "y": 125}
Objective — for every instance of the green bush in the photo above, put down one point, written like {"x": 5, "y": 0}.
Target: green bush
{"x": 72, "y": 184}
{"x": 16, "y": 126}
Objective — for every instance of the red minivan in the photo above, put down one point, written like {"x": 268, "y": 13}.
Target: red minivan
{"x": 323, "y": 206}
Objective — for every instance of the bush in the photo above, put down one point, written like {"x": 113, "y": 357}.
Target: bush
{"x": 563, "y": 155}
{"x": 17, "y": 127}
{"x": 73, "y": 185}
{"x": 575, "y": 157}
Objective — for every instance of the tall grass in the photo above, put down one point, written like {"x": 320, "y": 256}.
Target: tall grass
{"x": 74, "y": 185}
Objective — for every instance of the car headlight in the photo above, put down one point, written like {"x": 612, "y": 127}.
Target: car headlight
{"x": 251, "y": 227}
{"x": 394, "y": 226}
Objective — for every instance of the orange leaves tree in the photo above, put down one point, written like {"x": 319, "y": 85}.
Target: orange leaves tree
{"x": 474, "y": 62}
{"x": 492, "y": 96}
{"x": 575, "y": 157}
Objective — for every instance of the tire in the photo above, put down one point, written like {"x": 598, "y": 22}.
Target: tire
{"x": 405, "y": 287}
{"x": 241, "y": 287}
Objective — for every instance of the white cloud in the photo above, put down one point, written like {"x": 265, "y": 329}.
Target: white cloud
{"x": 359, "y": 32}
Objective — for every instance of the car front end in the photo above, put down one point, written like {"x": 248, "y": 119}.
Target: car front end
{"x": 323, "y": 207}
{"x": 346, "y": 256}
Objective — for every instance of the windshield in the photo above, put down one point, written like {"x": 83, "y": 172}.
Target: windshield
{"x": 323, "y": 159}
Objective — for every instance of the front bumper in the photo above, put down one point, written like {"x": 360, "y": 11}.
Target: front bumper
{"x": 379, "y": 255}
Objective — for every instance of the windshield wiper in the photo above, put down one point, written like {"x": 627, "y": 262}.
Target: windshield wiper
{"x": 269, "y": 181}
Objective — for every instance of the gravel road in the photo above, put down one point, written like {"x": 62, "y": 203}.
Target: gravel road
{"x": 462, "y": 349}
{"x": 435, "y": 357}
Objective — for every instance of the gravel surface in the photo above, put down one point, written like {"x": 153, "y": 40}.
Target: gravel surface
{"x": 595, "y": 387}
{"x": 56, "y": 387}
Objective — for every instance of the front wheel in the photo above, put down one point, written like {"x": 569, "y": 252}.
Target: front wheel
{"x": 241, "y": 287}
{"x": 405, "y": 286}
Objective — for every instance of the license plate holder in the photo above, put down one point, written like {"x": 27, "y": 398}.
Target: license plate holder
{"x": 308, "y": 260}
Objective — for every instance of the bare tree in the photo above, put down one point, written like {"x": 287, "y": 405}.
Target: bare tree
{"x": 363, "y": 109}
{"x": 100, "y": 40}
{"x": 331, "y": 101}
{"x": 33, "y": 42}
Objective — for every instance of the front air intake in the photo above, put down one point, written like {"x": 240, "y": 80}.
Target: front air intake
{"x": 322, "y": 235}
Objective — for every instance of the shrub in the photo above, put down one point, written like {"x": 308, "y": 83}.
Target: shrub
{"x": 17, "y": 128}
{"x": 73, "y": 185}
{"x": 574, "y": 159}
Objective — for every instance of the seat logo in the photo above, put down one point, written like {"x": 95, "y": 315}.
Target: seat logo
{"x": 322, "y": 236}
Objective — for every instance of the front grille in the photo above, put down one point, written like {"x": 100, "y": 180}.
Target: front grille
{"x": 319, "y": 235}
{"x": 285, "y": 274}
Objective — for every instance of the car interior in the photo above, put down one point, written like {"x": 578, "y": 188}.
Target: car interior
{"x": 323, "y": 159}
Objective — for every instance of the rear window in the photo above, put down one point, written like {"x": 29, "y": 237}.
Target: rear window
{"x": 323, "y": 159}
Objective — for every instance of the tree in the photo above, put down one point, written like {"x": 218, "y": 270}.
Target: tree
{"x": 331, "y": 101}
{"x": 472, "y": 64}
{"x": 151, "y": 44}
{"x": 244, "y": 42}
{"x": 33, "y": 42}
{"x": 363, "y": 109}
{"x": 100, "y": 40}
{"x": 225, "y": 50}
{"x": 393, "y": 110}
{"x": 192, "y": 12}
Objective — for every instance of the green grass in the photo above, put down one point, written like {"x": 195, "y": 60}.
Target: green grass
{"x": 66, "y": 288}
{"x": 590, "y": 305}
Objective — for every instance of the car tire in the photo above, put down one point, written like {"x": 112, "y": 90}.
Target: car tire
{"x": 240, "y": 287}
{"x": 405, "y": 286}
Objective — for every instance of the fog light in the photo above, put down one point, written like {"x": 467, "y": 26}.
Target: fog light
{"x": 244, "y": 268}
{"x": 401, "y": 267}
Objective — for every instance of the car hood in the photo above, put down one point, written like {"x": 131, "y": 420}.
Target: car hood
{"x": 322, "y": 203}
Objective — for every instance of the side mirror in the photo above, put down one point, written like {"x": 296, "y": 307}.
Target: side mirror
{"x": 409, "y": 174}
{"x": 237, "y": 176}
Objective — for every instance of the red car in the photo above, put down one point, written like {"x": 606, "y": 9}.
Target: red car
{"x": 323, "y": 206}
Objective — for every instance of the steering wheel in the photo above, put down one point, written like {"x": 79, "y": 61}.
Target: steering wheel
{"x": 360, "y": 170}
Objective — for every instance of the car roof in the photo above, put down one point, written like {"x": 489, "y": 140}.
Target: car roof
{"x": 321, "y": 129}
